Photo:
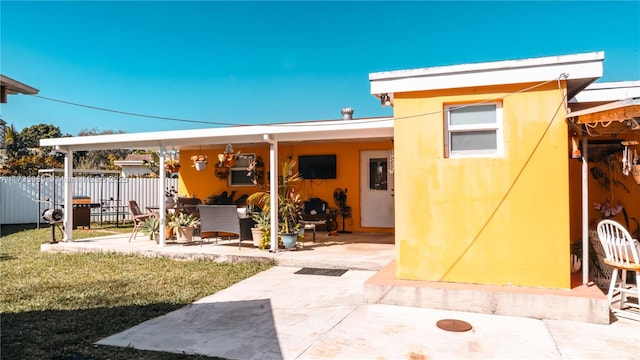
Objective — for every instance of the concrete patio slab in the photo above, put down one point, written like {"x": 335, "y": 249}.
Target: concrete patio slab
{"x": 278, "y": 314}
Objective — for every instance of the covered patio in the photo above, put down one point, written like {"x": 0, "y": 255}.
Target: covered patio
{"x": 271, "y": 136}
{"x": 614, "y": 124}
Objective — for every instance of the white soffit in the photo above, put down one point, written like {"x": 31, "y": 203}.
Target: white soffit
{"x": 606, "y": 107}
{"x": 582, "y": 69}
{"x": 292, "y": 132}
{"x": 608, "y": 91}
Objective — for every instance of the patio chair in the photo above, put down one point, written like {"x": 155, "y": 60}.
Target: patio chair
{"x": 138, "y": 217}
{"x": 189, "y": 205}
{"x": 621, "y": 253}
{"x": 219, "y": 219}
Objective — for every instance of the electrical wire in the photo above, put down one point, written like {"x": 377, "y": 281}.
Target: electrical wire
{"x": 134, "y": 114}
{"x": 381, "y": 119}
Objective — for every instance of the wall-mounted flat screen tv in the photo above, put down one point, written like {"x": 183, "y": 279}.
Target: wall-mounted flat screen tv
{"x": 317, "y": 166}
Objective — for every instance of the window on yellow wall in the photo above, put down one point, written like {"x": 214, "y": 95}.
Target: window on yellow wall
{"x": 473, "y": 130}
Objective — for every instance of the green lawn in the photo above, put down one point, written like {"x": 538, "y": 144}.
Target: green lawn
{"x": 55, "y": 306}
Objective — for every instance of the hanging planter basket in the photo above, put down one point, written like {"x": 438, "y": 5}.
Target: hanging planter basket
{"x": 200, "y": 165}
{"x": 173, "y": 168}
{"x": 200, "y": 162}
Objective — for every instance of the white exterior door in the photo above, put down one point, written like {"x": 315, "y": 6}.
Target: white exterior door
{"x": 376, "y": 190}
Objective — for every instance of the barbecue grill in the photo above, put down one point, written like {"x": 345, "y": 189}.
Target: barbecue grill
{"x": 82, "y": 206}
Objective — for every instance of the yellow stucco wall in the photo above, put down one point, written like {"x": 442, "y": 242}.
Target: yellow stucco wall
{"x": 203, "y": 184}
{"x": 501, "y": 221}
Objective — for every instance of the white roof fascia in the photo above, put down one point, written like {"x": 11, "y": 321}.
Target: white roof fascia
{"x": 304, "y": 131}
{"x": 577, "y": 66}
{"x": 608, "y": 91}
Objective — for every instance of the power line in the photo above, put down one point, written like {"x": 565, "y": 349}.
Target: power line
{"x": 135, "y": 114}
{"x": 561, "y": 76}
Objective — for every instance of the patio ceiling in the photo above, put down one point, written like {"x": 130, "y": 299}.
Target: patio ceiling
{"x": 609, "y": 119}
{"x": 335, "y": 130}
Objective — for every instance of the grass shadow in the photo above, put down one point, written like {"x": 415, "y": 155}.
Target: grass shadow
{"x": 6, "y": 230}
{"x": 71, "y": 334}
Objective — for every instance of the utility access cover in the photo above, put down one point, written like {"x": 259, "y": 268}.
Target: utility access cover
{"x": 453, "y": 325}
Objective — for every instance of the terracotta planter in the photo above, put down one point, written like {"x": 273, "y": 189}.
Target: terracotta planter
{"x": 168, "y": 232}
{"x": 184, "y": 234}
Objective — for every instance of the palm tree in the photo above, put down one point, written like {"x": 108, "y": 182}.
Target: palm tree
{"x": 10, "y": 134}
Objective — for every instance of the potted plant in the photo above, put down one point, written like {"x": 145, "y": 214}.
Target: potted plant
{"x": 261, "y": 229}
{"x": 151, "y": 227}
{"x": 289, "y": 203}
{"x": 576, "y": 259}
{"x": 289, "y": 211}
{"x": 182, "y": 225}
{"x": 200, "y": 161}
{"x": 172, "y": 166}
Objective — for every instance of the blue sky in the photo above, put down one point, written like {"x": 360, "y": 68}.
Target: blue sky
{"x": 264, "y": 62}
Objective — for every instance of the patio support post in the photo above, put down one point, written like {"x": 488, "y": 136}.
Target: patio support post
{"x": 162, "y": 207}
{"x": 273, "y": 189}
{"x": 68, "y": 195}
{"x": 585, "y": 212}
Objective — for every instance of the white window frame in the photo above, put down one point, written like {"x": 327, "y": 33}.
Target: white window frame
{"x": 497, "y": 126}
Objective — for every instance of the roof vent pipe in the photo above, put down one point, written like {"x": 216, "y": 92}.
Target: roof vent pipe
{"x": 347, "y": 113}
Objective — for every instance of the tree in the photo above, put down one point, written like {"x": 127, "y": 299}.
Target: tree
{"x": 24, "y": 154}
{"x": 99, "y": 159}
{"x": 30, "y": 136}
{"x": 11, "y": 140}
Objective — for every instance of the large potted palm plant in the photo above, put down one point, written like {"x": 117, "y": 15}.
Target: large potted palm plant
{"x": 290, "y": 203}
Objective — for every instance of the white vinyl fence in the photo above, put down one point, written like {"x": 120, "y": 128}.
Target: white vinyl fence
{"x": 23, "y": 199}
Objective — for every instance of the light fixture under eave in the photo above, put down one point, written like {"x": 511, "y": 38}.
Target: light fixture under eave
{"x": 385, "y": 99}
{"x": 634, "y": 124}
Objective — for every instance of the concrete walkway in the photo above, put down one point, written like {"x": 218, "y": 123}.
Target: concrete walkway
{"x": 278, "y": 314}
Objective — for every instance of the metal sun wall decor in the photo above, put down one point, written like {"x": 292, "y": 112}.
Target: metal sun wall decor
{"x": 226, "y": 160}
